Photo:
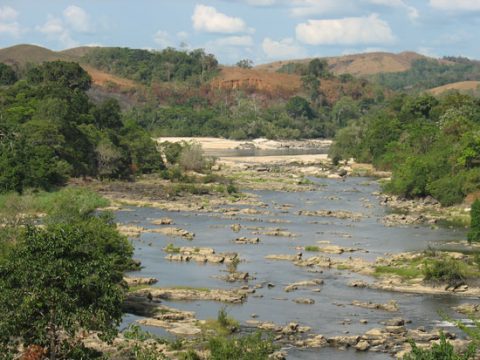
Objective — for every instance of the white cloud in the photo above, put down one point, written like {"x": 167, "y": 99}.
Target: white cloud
{"x": 162, "y": 38}
{"x": 8, "y": 21}
{"x": 261, "y": 2}
{"x": 345, "y": 31}
{"x": 412, "y": 12}
{"x": 245, "y": 41}
{"x": 285, "y": 48}
{"x": 55, "y": 29}
{"x": 456, "y": 5}
{"x": 8, "y": 13}
{"x": 208, "y": 19}
{"x": 77, "y": 18}
{"x": 312, "y": 7}
{"x": 183, "y": 35}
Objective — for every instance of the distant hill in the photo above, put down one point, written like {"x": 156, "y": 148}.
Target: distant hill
{"x": 462, "y": 86}
{"x": 358, "y": 64}
{"x": 20, "y": 55}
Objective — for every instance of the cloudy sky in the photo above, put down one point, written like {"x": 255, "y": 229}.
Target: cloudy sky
{"x": 261, "y": 30}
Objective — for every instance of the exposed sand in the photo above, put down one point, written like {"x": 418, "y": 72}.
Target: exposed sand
{"x": 210, "y": 143}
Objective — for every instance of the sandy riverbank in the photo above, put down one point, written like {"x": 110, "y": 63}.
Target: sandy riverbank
{"x": 209, "y": 143}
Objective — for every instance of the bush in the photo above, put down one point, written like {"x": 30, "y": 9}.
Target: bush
{"x": 474, "y": 233}
{"x": 448, "y": 190}
{"x": 446, "y": 270}
{"x": 248, "y": 347}
{"x": 442, "y": 351}
{"x": 192, "y": 158}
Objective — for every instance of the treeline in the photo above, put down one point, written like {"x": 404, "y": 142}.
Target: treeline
{"x": 50, "y": 131}
{"x": 432, "y": 146}
{"x": 426, "y": 74}
{"x": 149, "y": 66}
{"x": 241, "y": 115}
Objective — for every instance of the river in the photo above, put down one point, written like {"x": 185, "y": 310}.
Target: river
{"x": 332, "y": 307}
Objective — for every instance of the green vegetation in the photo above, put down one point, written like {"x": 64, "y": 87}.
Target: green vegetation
{"x": 247, "y": 347}
{"x": 426, "y": 74}
{"x": 445, "y": 270}
{"x": 154, "y": 66}
{"x": 50, "y": 131}
{"x": 431, "y": 145}
{"x": 435, "y": 267}
{"x": 441, "y": 351}
{"x": 55, "y": 282}
{"x": 170, "y": 248}
{"x": 312, "y": 248}
{"x": 223, "y": 325}
{"x": 474, "y": 233}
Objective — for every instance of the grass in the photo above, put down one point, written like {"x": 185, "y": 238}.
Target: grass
{"x": 170, "y": 248}
{"x": 311, "y": 248}
{"x": 33, "y": 203}
{"x": 404, "y": 272}
{"x": 433, "y": 266}
{"x": 223, "y": 325}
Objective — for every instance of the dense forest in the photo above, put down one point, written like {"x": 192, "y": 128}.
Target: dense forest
{"x": 50, "y": 131}
{"x": 431, "y": 145}
{"x": 149, "y": 66}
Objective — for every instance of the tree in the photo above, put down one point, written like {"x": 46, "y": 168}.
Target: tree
{"x": 299, "y": 107}
{"x": 474, "y": 233}
{"x": 318, "y": 68}
{"x": 245, "y": 64}
{"x": 7, "y": 75}
{"x": 56, "y": 283}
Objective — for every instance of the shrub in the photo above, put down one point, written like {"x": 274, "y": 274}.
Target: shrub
{"x": 442, "y": 351}
{"x": 448, "y": 271}
{"x": 248, "y": 347}
{"x": 474, "y": 233}
{"x": 192, "y": 158}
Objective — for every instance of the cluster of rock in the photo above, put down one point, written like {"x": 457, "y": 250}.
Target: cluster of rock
{"x": 201, "y": 255}
{"x": 173, "y": 232}
{"x": 245, "y": 240}
{"x": 275, "y": 232}
{"x": 235, "y": 296}
{"x": 403, "y": 219}
{"x": 339, "y": 214}
{"x": 303, "y": 284}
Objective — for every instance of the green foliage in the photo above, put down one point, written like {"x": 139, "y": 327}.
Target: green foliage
{"x": 474, "y": 233}
{"x": 430, "y": 145}
{"x": 58, "y": 281}
{"x": 245, "y": 64}
{"x": 311, "y": 248}
{"x": 441, "y": 351}
{"x": 247, "y": 347}
{"x": 298, "y": 107}
{"x": 7, "y": 75}
{"x": 50, "y": 131}
{"x": 153, "y": 66}
{"x": 444, "y": 270}
{"x": 427, "y": 74}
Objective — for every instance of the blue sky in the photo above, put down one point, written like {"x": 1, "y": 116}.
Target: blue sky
{"x": 261, "y": 30}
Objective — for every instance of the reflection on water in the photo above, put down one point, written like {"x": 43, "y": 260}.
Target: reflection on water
{"x": 332, "y": 303}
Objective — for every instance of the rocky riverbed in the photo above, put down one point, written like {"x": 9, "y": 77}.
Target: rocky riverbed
{"x": 309, "y": 278}
{"x": 298, "y": 254}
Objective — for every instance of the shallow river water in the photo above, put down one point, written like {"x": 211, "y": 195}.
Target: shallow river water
{"x": 274, "y": 304}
